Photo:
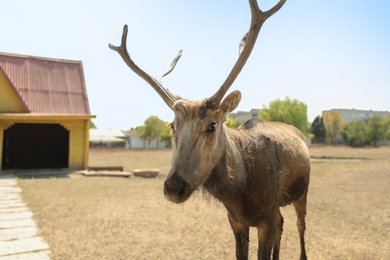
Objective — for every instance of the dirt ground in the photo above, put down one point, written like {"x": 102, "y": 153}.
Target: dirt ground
{"x": 116, "y": 218}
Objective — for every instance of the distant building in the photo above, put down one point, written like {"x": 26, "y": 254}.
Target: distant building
{"x": 244, "y": 115}
{"x": 116, "y": 138}
{"x": 107, "y": 138}
{"x": 349, "y": 115}
{"x": 135, "y": 141}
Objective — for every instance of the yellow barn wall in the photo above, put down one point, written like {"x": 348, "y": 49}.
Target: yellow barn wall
{"x": 78, "y": 138}
{"x": 3, "y": 126}
{"x": 78, "y": 143}
{"x": 9, "y": 100}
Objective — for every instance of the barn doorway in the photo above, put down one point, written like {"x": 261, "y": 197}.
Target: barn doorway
{"x": 35, "y": 146}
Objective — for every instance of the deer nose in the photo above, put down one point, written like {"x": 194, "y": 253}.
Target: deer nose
{"x": 174, "y": 186}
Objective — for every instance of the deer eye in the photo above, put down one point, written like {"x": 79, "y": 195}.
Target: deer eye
{"x": 211, "y": 127}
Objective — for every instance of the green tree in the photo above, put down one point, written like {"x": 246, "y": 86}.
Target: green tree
{"x": 375, "y": 129}
{"x": 386, "y": 128}
{"x": 153, "y": 128}
{"x": 288, "y": 111}
{"x": 318, "y": 130}
{"x": 166, "y": 136}
{"x": 92, "y": 125}
{"x": 355, "y": 133}
{"x": 233, "y": 123}
{"x": 333, "y": 126}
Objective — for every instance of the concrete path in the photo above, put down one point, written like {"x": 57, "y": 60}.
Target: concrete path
{"x": 18, "y": 232}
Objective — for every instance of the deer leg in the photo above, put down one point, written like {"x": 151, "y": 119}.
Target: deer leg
{"x": 266, "y": 235}
{"x": 241, "y": 235}
{"x": 300, "y": 209}
{"x": 279, "y": 230}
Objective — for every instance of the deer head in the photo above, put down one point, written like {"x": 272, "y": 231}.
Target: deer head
{"x": 199, "y": 132}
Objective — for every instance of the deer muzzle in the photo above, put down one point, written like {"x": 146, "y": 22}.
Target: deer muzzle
{"x": 176, "y": 189}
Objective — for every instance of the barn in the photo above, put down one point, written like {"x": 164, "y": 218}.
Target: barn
{"x": 44, "y": 113}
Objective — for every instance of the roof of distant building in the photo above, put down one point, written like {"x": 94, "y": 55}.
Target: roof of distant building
{"x": 106, "y": 135}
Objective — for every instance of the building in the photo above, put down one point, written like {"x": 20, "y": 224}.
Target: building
{"x": 244, "y": 115}
{"x": 44, "y": 113}
{"x": 107, "y": 138}
{"x": 116, "y": 138}
{"x": 349, "y": 115}
{"x": 136, "y": 142}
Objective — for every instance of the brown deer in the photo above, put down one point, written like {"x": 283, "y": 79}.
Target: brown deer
{"x": 253, "y": 170}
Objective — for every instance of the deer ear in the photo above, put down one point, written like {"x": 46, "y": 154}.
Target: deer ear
{"x": 230, "y": 102}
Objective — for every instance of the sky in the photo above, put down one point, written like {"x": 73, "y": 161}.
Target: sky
{"x": 325, "y": 53}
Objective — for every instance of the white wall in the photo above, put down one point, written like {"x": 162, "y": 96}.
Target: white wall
{"x": 137, "y": 143}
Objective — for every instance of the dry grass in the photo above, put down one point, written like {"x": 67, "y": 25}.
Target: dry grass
{"x": 132, "y": 159}
{"x": 112, "y": 218}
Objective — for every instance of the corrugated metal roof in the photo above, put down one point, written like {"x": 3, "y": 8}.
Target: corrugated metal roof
{"x": 47, "y": 85}
{"x": 106, "y": 135}
{"x": 7, "y": 115}
{"x": 130, "y": 132}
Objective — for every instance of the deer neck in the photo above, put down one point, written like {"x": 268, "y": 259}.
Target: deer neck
{"x": 228, "y": 178}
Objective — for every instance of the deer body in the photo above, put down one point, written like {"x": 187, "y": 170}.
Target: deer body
{"x": 276, "y": 165}
{"x": 276, "y": 173}
{"x": 253, "y": 170}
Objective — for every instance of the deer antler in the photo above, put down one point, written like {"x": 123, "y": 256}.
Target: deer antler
{"x": 246, "y": 47}
{"x": 156, "y": 83}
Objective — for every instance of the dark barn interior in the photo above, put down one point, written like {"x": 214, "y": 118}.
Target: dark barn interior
{"x": 35, "y": 146}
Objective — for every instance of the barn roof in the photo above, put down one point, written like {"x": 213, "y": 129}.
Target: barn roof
{"x": 45, "y": 85}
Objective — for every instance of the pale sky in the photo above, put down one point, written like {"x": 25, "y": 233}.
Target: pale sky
{"x": 325, "y": 53}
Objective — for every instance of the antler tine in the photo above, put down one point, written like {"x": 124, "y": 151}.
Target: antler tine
{"x": 156, "y": 84}
{"x": 169, "y": 70}
{"x": 246, "y": 46}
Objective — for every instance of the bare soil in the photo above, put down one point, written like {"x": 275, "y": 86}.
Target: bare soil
{"x": 118, "y": 218}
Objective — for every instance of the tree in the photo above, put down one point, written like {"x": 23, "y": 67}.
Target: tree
{"x": 233, "y": 123}
{"x": 386, "y": 128}
{"x": 355, "y": 133}
{"x": 92, "y": 125}
{"x": 318, "y": 130}
{"x": 153, "y": 128}
{"x": 333, "y": 126}
{"x": 288, "y": 111}
{"x": 375, "y": 129}
{"x": 166, "y": 136}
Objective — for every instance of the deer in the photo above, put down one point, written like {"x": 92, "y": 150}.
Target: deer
{"x": 252, "y": 170}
